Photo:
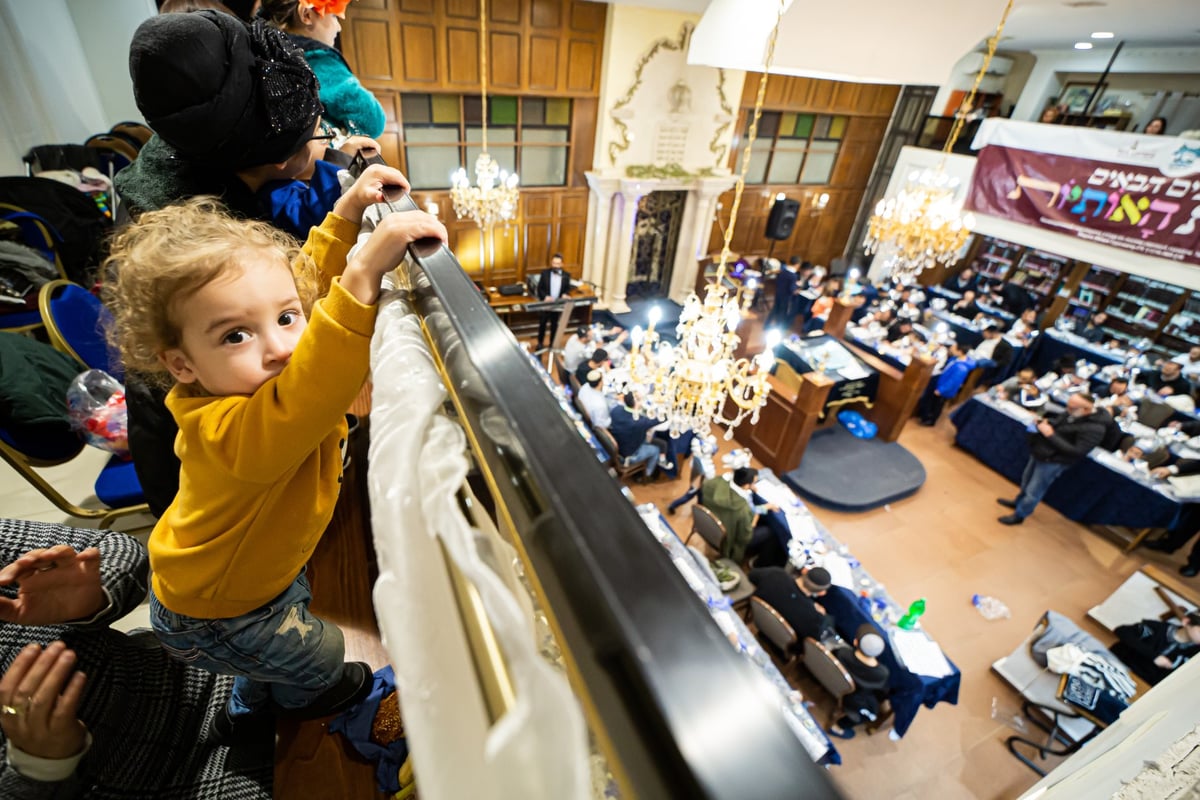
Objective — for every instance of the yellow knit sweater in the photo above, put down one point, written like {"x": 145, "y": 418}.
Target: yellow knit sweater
{"x": 260, "y": 475}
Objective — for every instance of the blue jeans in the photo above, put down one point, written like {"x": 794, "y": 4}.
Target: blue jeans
{"x": 1035, "y": 482}
{"x": 279, "y": 652}
{"x": 646, "y": 453}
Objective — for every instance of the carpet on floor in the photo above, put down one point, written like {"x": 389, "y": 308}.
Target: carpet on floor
{"x": 839, "y": 471}
{"x": 638, "y": 315}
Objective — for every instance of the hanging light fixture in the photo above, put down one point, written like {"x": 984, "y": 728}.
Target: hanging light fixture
{"x": 689, "y": 384}
{"x": 923, "y": 225}
{"x": 493, "y": 198}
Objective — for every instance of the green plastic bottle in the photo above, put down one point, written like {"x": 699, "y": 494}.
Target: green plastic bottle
{"x": 909, "y": 620}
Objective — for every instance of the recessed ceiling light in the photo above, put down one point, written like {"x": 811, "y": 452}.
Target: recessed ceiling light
{"x": 1083, "y": 45}
{"x": 1103, "y": 35}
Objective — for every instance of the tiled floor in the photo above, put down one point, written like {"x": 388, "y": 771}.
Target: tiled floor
{"x": 944, "y": 544}
{"x": 19, "y": 500}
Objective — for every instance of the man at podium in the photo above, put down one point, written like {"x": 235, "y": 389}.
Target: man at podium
{"x": 552, "y": 285}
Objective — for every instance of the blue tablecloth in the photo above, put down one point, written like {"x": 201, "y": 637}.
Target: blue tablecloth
{"x": 796, "y": 355}
{"x": 908, "y": 691}
{"x": 875, "y": 351}
{"x": 965, "y": 332}
{"x": 1051, "y": 346}
{"x": 1088, "y": 492}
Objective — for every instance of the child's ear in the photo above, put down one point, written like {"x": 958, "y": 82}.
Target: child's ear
{"x": 178, "y": 364}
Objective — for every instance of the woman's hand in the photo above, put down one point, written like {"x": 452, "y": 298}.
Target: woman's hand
{"x": 360, "y": 144}
{"x": 39, "y": 700}
{"x": 385, "y": 249}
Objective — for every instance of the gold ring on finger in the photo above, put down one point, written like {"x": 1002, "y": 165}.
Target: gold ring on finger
{"x": 10, "y": 711}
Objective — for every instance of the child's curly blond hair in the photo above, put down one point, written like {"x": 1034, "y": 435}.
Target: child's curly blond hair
{"x": 168, "y": 255}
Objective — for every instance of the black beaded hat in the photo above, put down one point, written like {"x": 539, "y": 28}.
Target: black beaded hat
{"x": 221, "y": 92}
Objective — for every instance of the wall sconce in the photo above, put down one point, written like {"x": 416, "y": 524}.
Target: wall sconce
{"x": 818, "y": 202}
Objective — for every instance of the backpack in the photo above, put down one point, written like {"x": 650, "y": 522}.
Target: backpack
{"x": 80, "y": 228}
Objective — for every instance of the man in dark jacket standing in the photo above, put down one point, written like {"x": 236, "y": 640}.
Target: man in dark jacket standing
{"x": 1056, "y": 444}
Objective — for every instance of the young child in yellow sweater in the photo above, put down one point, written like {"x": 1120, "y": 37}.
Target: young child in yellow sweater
{"x": 263, "y": 374}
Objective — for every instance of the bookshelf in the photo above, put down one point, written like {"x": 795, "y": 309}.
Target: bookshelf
{"x": 1040, "y": 272}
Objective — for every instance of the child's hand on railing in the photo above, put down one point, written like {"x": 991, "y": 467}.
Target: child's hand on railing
{"x": 385, "y": 249}
{"x": 368, "y": 190}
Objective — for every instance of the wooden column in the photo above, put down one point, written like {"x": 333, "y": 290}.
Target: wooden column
{"x": 839, "y": 317}
{"x": 786, "y": 423}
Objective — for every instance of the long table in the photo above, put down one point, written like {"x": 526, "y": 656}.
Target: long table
{"x": 1053, "y": 345}
{"x": 1100, "y": 490}
{"x": 857, "y": 599}
{"x": 791, "y": 702}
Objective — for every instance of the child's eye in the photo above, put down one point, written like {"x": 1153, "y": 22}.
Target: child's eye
{"x": 288, "y": 318}
{"x": 234, "y": 337}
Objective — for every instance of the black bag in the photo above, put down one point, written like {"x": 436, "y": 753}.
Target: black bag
{"x": 80, "y": 228}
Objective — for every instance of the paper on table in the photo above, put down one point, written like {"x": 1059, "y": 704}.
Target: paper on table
{"x": 920, "y": 654}
{"x": 1185, "y": 486}
{"x": 839, "y": 570}
{"x": 775, "y": 493}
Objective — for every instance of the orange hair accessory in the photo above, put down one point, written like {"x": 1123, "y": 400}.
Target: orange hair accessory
{"x": 323, "y": 7}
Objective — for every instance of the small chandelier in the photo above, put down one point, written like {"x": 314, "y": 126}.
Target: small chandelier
{"x": 689, "y": 384}
{"x": 924, "y": 225}
{"x": 493, "y": 198}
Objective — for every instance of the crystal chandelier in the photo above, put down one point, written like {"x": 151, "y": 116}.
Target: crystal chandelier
{"x": 493, "y": 198}
{"x": 924, "y": 225}
{"x": 690, "y": 384}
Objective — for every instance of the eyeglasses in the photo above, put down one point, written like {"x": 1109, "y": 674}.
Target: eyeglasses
{"x": 328, "y": 137}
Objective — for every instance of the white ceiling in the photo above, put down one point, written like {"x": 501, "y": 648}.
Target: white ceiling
{"x": 917, "y": 42}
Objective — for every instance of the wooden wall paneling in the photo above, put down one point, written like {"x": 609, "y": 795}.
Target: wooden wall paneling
{"x": 799, "y": 92}
{"x": 776, "y": 95}
{"x": 415, "y": 6}
{"x": 537, "y": 204}
{"x": 588, "y": 17}
{"x": 505, "y": 11}
{"x": 545, "y": 13}
{"x": 463, "y": 9}
{"x": 543, "y": 63}
{"x": 370, "y": 49}
{"x": 885, "y": 100}
{"x": 569, "y": 242}
{"x": 373, "y": 5}
{"x": 391, "y": 111}
{"x": 504, "y": 60}
{"x": 820, "y": 98}
{"x": 573, "y": 204}
{"x": 854, "y": 163}
{"x": 540, "y": 244}
{"x": 845, "y": 97}
{"x": 462, "y": 63}
{"x": 582, "y": 65}
{"x": 418, "y": 44}
{"x": 389, "y": 144}
{"x": 583, "y": 138}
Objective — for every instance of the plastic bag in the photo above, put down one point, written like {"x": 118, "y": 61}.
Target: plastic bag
{"x": 96, "y": 406}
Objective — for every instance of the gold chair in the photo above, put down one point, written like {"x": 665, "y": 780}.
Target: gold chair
{"x": 775, "y": 628}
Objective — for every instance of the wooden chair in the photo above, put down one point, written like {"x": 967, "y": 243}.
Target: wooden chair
{"x": 582, "y": 409}
{"x": 706, "y": 524}
{"x": 560, "y": 370}
{"x": 776, "y": 630}
{"x": 823, "y": 665}
{"x": 624, "y": 471}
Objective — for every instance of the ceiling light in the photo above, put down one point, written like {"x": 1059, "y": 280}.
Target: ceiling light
{"x": 1103, "y": 35}
{"x": 1083, "y": 45}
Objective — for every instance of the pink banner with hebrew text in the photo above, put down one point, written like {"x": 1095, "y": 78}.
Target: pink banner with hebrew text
{"x": 1152, "y": 209}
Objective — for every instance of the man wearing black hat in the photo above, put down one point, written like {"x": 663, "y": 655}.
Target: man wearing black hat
{"x": 795, "y": 598}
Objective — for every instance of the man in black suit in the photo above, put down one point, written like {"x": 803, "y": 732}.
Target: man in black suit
{"x": 962, "y": 282}
{"x": 995, "y": 349}
{"x": 795, "y": 598}
{"x": 1177, "y": 537}
{"x": 1167, "y": 381}
{"x": 784, "y": 308}
{"x": 1094, "y": 330}
{"x": 552, "y": 284}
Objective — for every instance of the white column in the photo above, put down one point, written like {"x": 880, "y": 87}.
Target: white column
{"x": 620, "y": 246}
{"x": 600, "y": 211}
{"x": 693, "y": 238}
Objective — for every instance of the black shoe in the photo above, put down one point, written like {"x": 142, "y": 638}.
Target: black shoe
{"x": 1004, "y": 501}
{"x": 1160, "y": 545}
{"x": 254, "y": 730}
{"x": 1188, "y": 571}
{"x": 1011, "y": 519}
{"x": 352, "y": 689}
{"x": 845, "y": 733}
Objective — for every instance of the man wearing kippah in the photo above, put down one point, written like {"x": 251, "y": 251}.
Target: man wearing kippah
{"x": 870, "y": 680}
{"x": 795, "y": 598}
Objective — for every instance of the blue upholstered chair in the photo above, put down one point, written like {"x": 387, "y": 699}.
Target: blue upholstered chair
{"x": 75, "y": 321}
{"x": 35, "y": 233}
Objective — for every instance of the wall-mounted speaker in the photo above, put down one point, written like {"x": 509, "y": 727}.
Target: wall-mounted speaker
{"x": 782, "y": 218}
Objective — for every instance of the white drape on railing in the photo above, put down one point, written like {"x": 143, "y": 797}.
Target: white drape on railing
{"x": 538, "y": 749}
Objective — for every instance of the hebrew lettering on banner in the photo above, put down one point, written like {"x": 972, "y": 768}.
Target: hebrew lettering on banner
{"x": 1134, "y": 207}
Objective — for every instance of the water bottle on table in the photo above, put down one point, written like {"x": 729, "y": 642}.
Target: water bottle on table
{"x": 989, "y": 607}
{"x": 909, "y": 620}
